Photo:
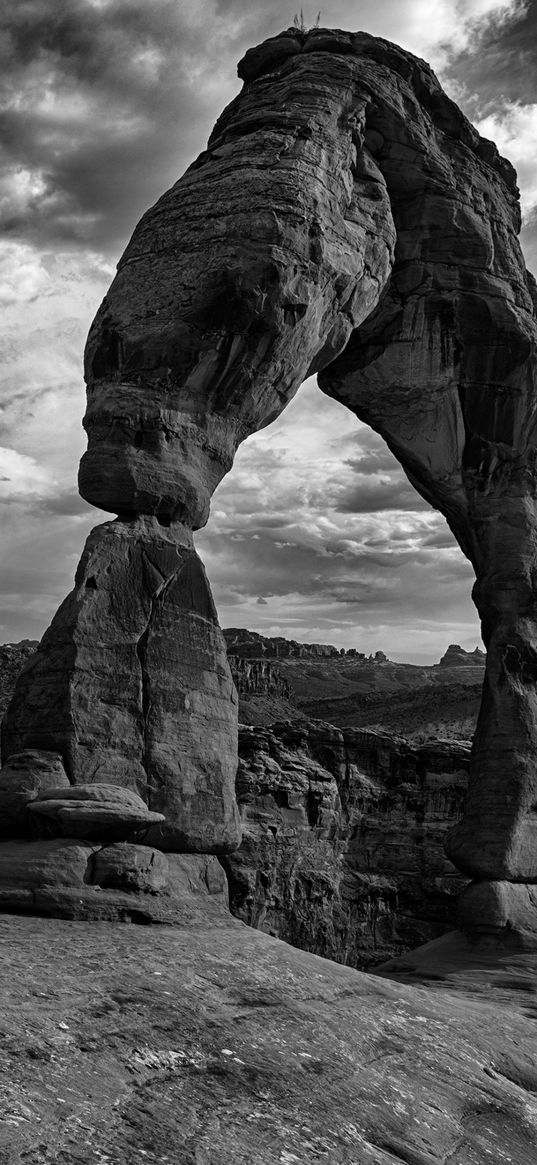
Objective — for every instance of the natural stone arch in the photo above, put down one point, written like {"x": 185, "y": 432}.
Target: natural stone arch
{"x": 345, "y": 219}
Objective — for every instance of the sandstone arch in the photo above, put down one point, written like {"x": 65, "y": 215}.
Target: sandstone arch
{"x": 345, "y": 219}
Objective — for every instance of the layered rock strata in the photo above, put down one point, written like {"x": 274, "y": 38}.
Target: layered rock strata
{"x": 343, "y": 831}
{"x": 82, "y": 852}
{"x": 131, "y": 684}
{"x": 345, "y": 219}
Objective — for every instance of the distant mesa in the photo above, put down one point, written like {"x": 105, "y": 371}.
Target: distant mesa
{"x": 245, "y": 644}
{"x": 456, "y": 656}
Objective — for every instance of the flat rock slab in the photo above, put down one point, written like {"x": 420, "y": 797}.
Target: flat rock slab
{"x": 216, "y": 1043}
{"x": 100, "y": 812}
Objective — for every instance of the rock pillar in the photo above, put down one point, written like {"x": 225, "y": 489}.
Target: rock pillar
{"x": 497, "y": 838}
{"x": 131, "y": 684}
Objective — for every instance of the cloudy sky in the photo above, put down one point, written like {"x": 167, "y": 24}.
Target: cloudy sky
{"x": 316, "y": 534}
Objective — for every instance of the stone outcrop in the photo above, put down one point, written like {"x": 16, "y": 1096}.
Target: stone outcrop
{"x": 343, "y": 832}
{"x": 257, "y": 677}
{"x": 131, "y": 684}
{"x": 345, "y": 219}
{"x": 456, "y": 656}
{"x": 13, "y": 656}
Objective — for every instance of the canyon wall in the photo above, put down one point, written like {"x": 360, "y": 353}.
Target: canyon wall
{"x": 343, "y": 831}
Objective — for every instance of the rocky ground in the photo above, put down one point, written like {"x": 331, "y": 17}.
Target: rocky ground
{"x": 212, "y": 1042}
{"x": 208, "y": 1040}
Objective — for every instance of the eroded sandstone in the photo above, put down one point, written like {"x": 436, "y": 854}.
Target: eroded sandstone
{"x": 132, "y": 685}
{"x": 342, "y": 839}
{"x": 344, "y": 219}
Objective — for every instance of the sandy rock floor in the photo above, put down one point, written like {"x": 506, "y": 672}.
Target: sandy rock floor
{"x": 214, "y": 1043}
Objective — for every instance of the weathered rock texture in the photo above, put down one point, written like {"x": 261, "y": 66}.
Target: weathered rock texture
{"x": 342, "y": 849}
{"x": 345, "y": 219}
{"x": 257, "y": 677}
{"x": 13, "y": 656}
{"x": 131, "y": 684}
{"x": 211, "y": 1042}
{"x": 120, "y": 882}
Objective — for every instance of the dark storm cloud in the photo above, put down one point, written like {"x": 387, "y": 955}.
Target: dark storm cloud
{"x": 500, "y": 64}
{"x": 102, "y": 107}
{"x": 371, "y": 496}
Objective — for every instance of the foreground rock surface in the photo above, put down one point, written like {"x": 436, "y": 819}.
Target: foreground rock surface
{"x": 213, "y": 1042}
{"x": 343, "y": 834}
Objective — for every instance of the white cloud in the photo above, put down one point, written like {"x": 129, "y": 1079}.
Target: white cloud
{"x": 22, "y": 477}
{"x": 22, "y": 274}
{"x": 514, "y": 129}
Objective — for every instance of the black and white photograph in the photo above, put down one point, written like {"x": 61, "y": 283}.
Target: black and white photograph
{"x": 268, "y": 582}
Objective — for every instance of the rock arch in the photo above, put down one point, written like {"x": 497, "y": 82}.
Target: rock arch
{"x": 345, "y": 219}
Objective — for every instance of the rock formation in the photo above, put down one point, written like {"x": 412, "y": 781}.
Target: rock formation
{"x": 456, "y": 656}
{"x": 343, "y": 831}
{"x": 257, "y": 677}
{"x": 244, "y": 644}
{"x": 345, "y": 219}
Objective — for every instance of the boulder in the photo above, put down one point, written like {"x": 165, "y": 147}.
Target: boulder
{"x": 100, "y": 812}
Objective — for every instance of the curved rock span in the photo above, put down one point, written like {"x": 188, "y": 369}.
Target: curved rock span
{"x": 346, "y": 220}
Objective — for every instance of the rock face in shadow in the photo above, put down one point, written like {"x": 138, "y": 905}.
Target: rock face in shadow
{"x": 131, "y": 684}
{"x": 343, "y": 831}
{"x": 345, "y": 219}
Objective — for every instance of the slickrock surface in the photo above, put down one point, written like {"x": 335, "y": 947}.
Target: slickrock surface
{"x": 343, "y": 833}
{"x": 211, "y": 1043}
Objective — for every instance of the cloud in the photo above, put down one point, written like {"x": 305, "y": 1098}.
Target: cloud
{"x": 103, "y": 106}
{"x": 514, "y": 129}
{"x": 22, "y": 477}
{"x": 290, "y": 538}
{"x": 23, "y": 276}
{"x": 375, "y": 495}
